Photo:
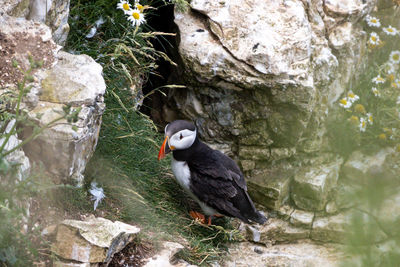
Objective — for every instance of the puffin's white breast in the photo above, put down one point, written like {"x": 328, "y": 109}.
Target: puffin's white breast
{"x": 182, "y": 173}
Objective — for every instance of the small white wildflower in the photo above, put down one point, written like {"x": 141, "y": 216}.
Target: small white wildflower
{"x": 136, "y": 17}
{"x": 363, "y": 124}
{"x": 370, "y": 118}
{"x": 97, "y": 194}
{"x": 389, "y": 67}
{"x": 376, "y": 92}
{"x": 374, "y": 39}
{"x": 125, "y": 6}
{"x": 398, "y": 100}
{"x": 390, "y": 30}
{"x": 352, "y": 97}
{"x": 345, "y": 102}
{"x": 378, "y": 79}
{"x": 372, "y": 21}
{"x": 395, "y": 56}
{"x": 139, "y": 7}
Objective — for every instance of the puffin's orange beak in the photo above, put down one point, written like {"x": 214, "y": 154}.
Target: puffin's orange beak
{"x": 163, "y": 150}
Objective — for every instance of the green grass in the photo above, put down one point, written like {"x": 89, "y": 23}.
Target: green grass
{"x": 139, "y": 189}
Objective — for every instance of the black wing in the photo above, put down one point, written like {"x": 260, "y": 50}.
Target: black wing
{"x": 218, "y": 182}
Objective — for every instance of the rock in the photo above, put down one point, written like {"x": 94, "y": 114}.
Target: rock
{"x": 331, "y": 207}
{"x": 275, "y": 230}
{"x": 95, "y": 240}
{"x": 16, "y": 158}
{"x": 337, "y": 228}
{"x": 60, "y": 263}
{"x": 285, "y": 211}
{"x": 166, "y": 257}
{"x": 270, "y": 187}
{"x": 313, "y": 183}
{"x": 358, "y": 165}
{"x": 75, "y": 80}
{"x": 300, "y": 218}
{"x": 52, "y": 13}
{"x": 390, "y": 210}
{"x": 304, "y": 254}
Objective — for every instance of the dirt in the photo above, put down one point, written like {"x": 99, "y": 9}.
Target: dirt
{"x": 18, "y": 46}
{"x": 133, "y": 255}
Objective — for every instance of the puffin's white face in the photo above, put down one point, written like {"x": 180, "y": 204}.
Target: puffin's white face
{"x": 182, "y": 139}
{"x": 179, "y": 135}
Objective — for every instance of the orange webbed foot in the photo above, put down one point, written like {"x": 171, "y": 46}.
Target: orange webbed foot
{"x": 198, "y": 216}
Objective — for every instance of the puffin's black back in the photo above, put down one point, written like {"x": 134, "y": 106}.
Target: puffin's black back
{"x": 217, "y": 181}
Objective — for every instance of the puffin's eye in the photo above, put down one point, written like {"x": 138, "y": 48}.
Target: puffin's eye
{"x": 180, "y": 137}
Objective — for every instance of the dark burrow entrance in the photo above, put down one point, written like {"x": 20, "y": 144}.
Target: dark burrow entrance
{"x": 158, "y": 105}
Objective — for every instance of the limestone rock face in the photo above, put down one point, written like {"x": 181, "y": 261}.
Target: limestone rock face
{"x": 261, "y": 77}
{"x": 75, "y": 80}
{"x": 275, "y": 231}
{"x": 305, "y": 254}
{"x": 312, "y": 185}
{"x": 64, "y": 79}
{"x": 95, "y": 240}
{"x": 359, "y": 165}
{"x": 54, "y": 13}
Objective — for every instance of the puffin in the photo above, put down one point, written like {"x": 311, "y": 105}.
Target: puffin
{"x": 208, "y": 176}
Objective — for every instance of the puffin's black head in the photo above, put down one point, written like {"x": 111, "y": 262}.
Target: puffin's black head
{"x": 179, "y": 135}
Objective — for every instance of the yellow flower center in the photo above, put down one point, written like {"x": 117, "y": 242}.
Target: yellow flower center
{"x": 140, "y": 7}
{"x": 373, "y": 38}
{"x": 396, "y": 57}
{"x": 363, "y": 124}
{"x": 373, "y": 20}
{"x": 359, "y": 108}
{"x": 391, "y": 77}
{"x": 135, "y": 15}
{"x": 394, "y": 85}
{"x": 354, "y": 119}
{"x": 382, "y": 136}
{"x": 389, "y": 29}
{"x": 343, "y": 101}
{"x": 125, "y": 6}
{"x": 380, "y": 79}
{"x": 370, "y": 119}
{"x": 351, "y": 95}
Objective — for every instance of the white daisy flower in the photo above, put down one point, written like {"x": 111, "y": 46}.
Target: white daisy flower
{"x": 389, "y": 67}
{"x": 372, "y": 21}
{"x": 363, "y": 124}
{"x": 376, "y": 92}
{"x": 378, "y": 79}
{"x": 136, "y": 17}
{"x": 370, "y": 119}
{"x": 395, "y": 56}
{"x": 374, "y": 39}
{"x": 125, "y": 6}
{"x": 390, "y": 30}
{"x": 139, "y": 7}
{"x": 345, "y": 102}
{"x": 352, "y": 97}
